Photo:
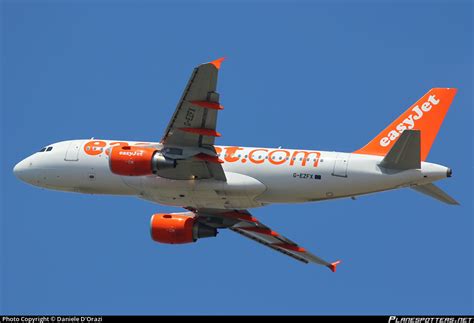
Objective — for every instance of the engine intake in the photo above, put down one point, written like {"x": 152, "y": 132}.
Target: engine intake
{"x": 175, "y": 228}
{"x": 138, "y": 161}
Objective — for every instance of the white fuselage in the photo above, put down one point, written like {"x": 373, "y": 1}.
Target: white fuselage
{"x": 255, "y": 176}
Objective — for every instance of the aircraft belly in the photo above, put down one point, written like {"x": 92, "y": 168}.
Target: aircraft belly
{"x": 238, "y": 192}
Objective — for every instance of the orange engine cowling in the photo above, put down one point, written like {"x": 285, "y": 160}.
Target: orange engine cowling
{"x": 177, "y": 228}
{"x": 137, "y": 161}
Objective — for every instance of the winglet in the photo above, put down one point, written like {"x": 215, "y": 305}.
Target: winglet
{"x": 217, "y": 63}
{"x": 333, "y": 265}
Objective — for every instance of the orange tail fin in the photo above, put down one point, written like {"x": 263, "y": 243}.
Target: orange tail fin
{"x": 425, "y": 115}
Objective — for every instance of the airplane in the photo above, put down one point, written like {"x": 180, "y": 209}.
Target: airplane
{"x": 216, "y": 185}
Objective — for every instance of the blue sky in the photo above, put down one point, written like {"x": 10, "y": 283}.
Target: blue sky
{"x": 315, "y": 75}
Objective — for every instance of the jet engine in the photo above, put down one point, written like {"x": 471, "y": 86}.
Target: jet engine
{"x": 138, "y": 161}
{"x": 177, "y": 228}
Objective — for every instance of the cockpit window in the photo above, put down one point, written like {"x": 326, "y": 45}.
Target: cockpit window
{"x": 42, "y": 149}
{"x": 49, "y": 149}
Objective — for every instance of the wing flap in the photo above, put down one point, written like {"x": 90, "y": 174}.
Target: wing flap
{"x": 265, "y": 243}
{"x": 242, "y": 222}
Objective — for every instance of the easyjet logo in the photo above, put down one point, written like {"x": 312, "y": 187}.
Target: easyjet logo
{"x": 410, "y": 121}
{"x": 269, "y": 156}
{"x": 138, "y": 153}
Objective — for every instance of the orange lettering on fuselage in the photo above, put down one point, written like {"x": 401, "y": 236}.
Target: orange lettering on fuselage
{"x": 278, "y": 160}
{"x": 305, "y": 157}
{"x": 114, "y": 144}
{"x": 256, "y": 161}
{"x": 274, "y": 156}
{"x": 94, "y": 147}
{"x": 229, "y": 154}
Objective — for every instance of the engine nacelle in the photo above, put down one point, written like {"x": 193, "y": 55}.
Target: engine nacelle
{"x": 177, "y": 228}
{"x": 137, "y": 161}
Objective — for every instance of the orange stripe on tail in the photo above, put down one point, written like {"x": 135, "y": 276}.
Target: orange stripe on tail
{"x": 425, "y": 115}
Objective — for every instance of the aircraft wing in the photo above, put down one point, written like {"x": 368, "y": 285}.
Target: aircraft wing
{"x": 194, "y": 122}
{"x": 242, "y": 222}
{"x": 190, "y": 135}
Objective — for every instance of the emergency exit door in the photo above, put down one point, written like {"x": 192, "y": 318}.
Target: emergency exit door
{"x": 340, "y": 165}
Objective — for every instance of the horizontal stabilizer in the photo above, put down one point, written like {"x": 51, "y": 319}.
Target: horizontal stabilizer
{"x": 405, "y": 153}
{"x": 435, "y": 192}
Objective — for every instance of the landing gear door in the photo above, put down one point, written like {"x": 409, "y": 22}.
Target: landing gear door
{"x": 72, "y": 153}
{"x": 340, "y": 165}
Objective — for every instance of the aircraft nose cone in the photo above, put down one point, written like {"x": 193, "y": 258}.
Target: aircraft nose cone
{"x": 17, "y": 169}
{"x": 22, "y": 171}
